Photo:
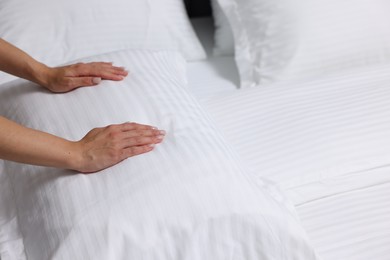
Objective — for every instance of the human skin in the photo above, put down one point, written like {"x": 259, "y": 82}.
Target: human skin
{"x": 98, "y": 149}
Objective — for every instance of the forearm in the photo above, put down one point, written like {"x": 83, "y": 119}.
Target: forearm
{"x": 25, "y": 145}
{"x": 18, "y": 63}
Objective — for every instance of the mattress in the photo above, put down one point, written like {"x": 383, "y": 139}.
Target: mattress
{"x": 324, "y": 142}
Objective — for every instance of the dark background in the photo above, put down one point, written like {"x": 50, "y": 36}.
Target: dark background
{"x": 198, "y": 8}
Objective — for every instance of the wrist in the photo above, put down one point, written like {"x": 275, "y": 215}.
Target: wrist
{"x": 74, "y": 158}
{"x": 41, "y": 74}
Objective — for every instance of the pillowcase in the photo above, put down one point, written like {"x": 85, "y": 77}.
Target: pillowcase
{"x": 223, "y": 36}
{"x": 295, "y": 39}
{"x": 190, "y": 198}
{"x": 56, "y": 32}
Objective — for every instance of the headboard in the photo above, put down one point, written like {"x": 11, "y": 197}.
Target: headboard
{"x": 198, "y": 8}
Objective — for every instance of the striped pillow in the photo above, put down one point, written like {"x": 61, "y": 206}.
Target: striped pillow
{"x": 190, "y": 198}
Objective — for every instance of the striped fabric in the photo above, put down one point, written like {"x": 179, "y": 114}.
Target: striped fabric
{"x": 353, "y": 225}
{"x": 327, "y": 143}
{"x": 305, "y": 132}
{"x": 188, "y": 199}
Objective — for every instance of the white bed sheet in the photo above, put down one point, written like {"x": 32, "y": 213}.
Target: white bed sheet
{"x": 216, "y": 75}
{"x": 345, "y": 209}
{"x": 340, "y": 185}
{"x": 352, "y": 225}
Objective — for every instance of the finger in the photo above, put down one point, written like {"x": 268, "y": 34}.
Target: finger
{"x": 141, "y": 140}
{"x": 100, "y": 69}
{"x": 137, "y": 150}
{"x": 129, "y": 126}
{"x": 76, "y": 82}
{"x": 113, "y": 74}
{"x": 144, "y": 132}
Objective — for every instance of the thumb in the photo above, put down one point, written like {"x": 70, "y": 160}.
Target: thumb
{"x": 85, "y": 81}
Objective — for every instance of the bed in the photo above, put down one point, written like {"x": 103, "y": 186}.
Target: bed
{"x": 277, "y": 120}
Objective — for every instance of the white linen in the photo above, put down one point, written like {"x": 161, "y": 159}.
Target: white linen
{"x": 353, "y": 225}
{"x": 188, "y": 199}
{"x": 216, "y": 75}
{"x": 295, "y": 39}
{"x": 223, "y": 38}
{"x": 55, "y": 32}
{"x": 327, "y": 144}
{"x": 212, "y": 77}
{"x": 304, "y": 133}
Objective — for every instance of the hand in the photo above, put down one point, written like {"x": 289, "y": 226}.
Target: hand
{"x": 67, "y": 78}
{"x": 104, "y": 147}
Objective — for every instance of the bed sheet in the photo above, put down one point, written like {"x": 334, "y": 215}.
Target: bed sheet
{"x": 353, "y": 225}
{"x": 216, "y": 75}
{"x": 326, "y": 143}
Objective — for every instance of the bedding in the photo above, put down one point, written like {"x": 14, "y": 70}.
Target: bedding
{"x": 294, "y": 39}
{"x": 216, "y": 75}
{"x": 190, "y": 198}
{"x": 318, "y": 132}
{"x": 310, "y": 132}
{"x": 55, "y": 32}
{"x": 351, "y": 225}
{"x": 223, "y": 38}
{"x": 325, "y": 143}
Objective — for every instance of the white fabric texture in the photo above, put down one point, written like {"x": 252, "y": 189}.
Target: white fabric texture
{"x": 188, "y": 199}
{"x": 55, "y": 32}
{"x": 295, "y": 39}
{"x": 353, "y": 225}
{"x": 223, "y": 37}
{"x": 326, "y": 143}
{"x": 306, "y": 136}
{"x": 212, "y": 77}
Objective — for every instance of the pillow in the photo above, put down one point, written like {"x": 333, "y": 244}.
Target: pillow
{"x": 295, "y": 39}
{"x": 56, "y": 32}
{"x": 190, "y": 198}
{"x": 223, "y": 37}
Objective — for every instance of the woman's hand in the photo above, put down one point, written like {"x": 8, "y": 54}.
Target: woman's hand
{"x": 67, "y": 78}
{"x": 61, "y": 79}
{"x": 107, "y": 146}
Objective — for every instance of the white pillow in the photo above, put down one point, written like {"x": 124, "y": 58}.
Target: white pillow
{"x": 223, "y": 36}
{"x": 190, "y": 198}
{"x": 55, "y": 32}
{"x": 291, "y": 39}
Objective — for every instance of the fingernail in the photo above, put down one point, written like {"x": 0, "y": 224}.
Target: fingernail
{"x": 160, "y": 137}
{"x": 162, "y": 132}
{"x": 96, "y": 80}
{"x": 151, "y": 145}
